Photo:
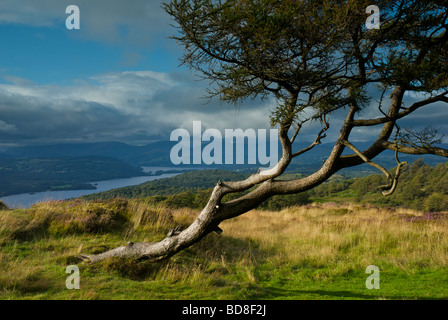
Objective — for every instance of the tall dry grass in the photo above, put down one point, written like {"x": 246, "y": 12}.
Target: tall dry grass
{"x": 334, "y": 238}
{"x": 347, "y": 236}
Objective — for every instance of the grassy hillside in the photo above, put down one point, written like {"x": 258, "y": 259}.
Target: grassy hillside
{"x": 310, "y": 252}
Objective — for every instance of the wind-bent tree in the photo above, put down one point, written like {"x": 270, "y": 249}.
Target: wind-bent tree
{"x": 315, "y": 58}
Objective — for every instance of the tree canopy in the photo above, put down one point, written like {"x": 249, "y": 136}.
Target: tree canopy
{"x": 315, "y": 55}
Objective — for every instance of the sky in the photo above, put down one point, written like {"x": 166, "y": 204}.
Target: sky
{"x": 117, "y": 78}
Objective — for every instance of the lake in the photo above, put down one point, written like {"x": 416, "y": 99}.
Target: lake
{"x": 26, "y": 200}
{"x": 155, "y": 169}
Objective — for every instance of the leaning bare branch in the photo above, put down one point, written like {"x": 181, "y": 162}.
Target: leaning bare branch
{"x": 321, "y": 135}
{"x": 380, "y": 103}
{"x": 373, "y": 122}
{"x": 415, "y": 150}
{"x": 388, "y": 189}
{"x": 299, "y": 126}
{"x": 367, "y": 160}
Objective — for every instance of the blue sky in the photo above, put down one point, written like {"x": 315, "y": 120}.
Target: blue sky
{"x": 116, "y": 79}
{"x": 53, "y": 54}
{"x": 41, "y": 49}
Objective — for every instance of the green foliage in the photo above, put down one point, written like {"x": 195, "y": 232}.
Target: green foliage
{"x": 436, "y": 202}
{"x": 184, "y": 199}
{"x": 288, "y": 48}
{"x": 280, "y": 202}
{"x": 198, "y": 200}
{"x": 420, "y": 187}
{"x": 331, "y": 188}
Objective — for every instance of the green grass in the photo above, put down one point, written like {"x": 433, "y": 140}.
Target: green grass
{"x": 313, "y": 252}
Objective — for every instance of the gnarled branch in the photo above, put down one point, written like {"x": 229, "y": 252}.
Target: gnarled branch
{"x": 374, "y": 122}
{"x": 388, "y": 189}
{"x": 321, "y": 135}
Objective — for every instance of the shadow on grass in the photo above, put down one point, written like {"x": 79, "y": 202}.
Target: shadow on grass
{"x": 343, "y": 294}
{"x": 214, "y": 253}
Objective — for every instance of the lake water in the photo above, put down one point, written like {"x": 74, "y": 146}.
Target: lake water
{"x": 155, "y": 169}
{"x": 25, "y": 200}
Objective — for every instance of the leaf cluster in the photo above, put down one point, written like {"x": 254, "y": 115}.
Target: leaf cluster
{"x": 311, "y": 55}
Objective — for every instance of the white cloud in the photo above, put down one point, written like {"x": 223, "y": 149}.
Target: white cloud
{"x": 6, "y": 127}
{"x": 140, "y": 105}
{"x": 116, "y": 106}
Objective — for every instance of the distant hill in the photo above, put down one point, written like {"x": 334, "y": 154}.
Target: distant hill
{"x": 55, "y": 174}
{"x": 158, "y": 154}
{"x": 155, "y": 154}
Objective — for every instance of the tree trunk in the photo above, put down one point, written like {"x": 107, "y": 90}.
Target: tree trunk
{"x": 207, "y": 222}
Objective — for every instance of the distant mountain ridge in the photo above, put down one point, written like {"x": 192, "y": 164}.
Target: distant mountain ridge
{"x": 152, "y": 154}
{"x": 158, "y": 154}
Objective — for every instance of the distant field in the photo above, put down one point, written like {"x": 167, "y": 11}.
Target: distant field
{"x": 312, "y": 252}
